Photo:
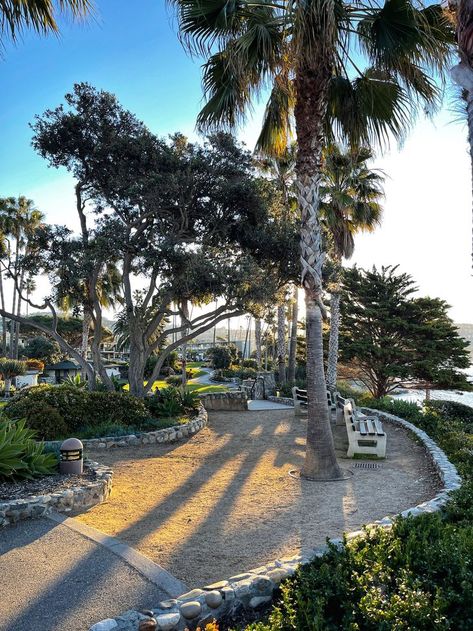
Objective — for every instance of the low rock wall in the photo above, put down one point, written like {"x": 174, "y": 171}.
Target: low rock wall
{"x": 77, "y": 498}
{"x": 256, "y": 587}
{"x": 283, "y": 400}
{"x": 225, "y": 401}
{"x": 167, "y": 435}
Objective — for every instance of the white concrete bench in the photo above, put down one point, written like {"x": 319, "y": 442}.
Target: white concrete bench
{"x": 365, "y": 433}
{"x": 300, "y": 401}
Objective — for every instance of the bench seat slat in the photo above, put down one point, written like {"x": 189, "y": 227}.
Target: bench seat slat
{"x": 379, "y": 427}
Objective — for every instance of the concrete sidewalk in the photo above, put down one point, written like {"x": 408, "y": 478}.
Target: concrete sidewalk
{"x": 54, "y": 578}
{"x": 257, "y": 405}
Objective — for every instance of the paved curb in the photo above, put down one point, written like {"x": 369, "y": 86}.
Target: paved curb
{"x": 256, "y": 587}
{"x": 145, "y": 566}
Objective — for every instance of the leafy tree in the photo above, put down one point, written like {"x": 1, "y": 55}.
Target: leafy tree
{"x": 17, "y": 16}
{"x": 222, "y": 356}
{"x": 305, "y": 52}
{"x": 389, "y": 338}
{"x": 350, "y": 203}
{"x": 193, "y": 222}
{"x": 41, "y": 348}
{"x": 9, "y": 369}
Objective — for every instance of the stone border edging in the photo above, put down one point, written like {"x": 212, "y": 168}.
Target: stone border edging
{"x": 89, "y": 493}
{"x": 166, "y": 435}
{"x": 256, "y": 587}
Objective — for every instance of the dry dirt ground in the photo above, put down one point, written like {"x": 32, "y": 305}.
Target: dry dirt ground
{"x": 223, "y": 502}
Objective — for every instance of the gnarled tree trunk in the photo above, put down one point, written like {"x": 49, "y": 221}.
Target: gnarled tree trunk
{"x": 311, "y": 84}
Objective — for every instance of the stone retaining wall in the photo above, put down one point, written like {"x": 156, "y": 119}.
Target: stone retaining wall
{"x": 77, "y": 498}
{"x": 225, "y": 401}
{"x": 256, "y": 587}
{"x": 167, "y": 435}
{"x": 283, "y": 400}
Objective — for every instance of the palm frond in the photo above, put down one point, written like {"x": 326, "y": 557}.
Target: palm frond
{"x": 38, "y": 15}
{"x": 275, "y": 136}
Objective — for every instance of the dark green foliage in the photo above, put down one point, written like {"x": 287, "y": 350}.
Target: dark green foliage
{"x": 45, "y": 420}
{"x": 452, "y": 409}
{"x": 20, "y": 455}
{"x": 79, "y": 407}
{"x": 41, "y": 348}
{"x": 249, "y": 363}
{"x": 388, "y": 337}
{"x": 171, "y": 402}
{"x": 222, "y": 356}
{"x": 286, "y": 389}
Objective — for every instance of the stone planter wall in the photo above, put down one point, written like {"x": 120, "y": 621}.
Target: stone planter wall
{"x": 256, "y": 587}
{"x": 77, "y": 498}
{"x": 168, "y": 435}
{"x": 225, "y": 401}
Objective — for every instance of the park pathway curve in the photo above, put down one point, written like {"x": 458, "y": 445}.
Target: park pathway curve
{"x": 54, "y": 577}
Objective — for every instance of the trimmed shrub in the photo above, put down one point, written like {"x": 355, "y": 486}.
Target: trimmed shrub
{"x": 79, "y": 407}
{"x": 46, "y": 421}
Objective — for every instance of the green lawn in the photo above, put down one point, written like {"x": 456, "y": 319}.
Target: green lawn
{"x": 193, "y": 387}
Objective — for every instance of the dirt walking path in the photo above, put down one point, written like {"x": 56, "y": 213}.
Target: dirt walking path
{"x": 223, "y": 502}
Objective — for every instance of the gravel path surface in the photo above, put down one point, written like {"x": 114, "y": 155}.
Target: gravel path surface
{"x": 223, "y": 502}
{"x": 52, "y": 579}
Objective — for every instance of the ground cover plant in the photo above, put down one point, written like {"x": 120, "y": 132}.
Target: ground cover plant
{"x": 56, "y": 412}
{"x": 418, "y": 575}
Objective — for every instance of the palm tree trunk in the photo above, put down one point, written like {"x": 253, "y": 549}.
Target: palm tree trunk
{"x": 333, "y": 341}
{"x": 258, "y": 342}
{"x": 462, "y": 74}
{"x": 291, "y": 369}
{"x": 311, "y": 98}
{"x": 4, "y": 321}
{"x": 282, "y": 344}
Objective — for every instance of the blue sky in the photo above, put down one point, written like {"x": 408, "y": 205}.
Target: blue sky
{"x": 132, "y": 49}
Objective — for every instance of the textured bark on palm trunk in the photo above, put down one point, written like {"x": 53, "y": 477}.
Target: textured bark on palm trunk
{"x": 311, "y": 89}
{"x": 258, "y": 342}
{"x": 333, "y": 341}
{"x": 462, "y": 74}
{"x": 282, "y": 344}
{"x": 291, "y": 365}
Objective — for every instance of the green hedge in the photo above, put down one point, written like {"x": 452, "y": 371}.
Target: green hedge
{"x": 416, "y": 576}
{"x": 54, "y": 411}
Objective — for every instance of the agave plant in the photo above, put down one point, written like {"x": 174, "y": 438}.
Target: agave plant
{"x": 20, "y": 455}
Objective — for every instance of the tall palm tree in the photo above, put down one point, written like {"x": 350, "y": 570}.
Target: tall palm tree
{"x": 462, "y": 73}
{"x": 19, "y": 220}
{"x": 304, "y": 52}
{"x": 17, "y": 16}
{"x": 350, "y": 203}
{"x": 281, "y": 168}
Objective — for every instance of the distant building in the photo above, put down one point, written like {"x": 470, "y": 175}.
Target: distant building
{"x": 30, "y": 378}
{"x": 59, "y": 372}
